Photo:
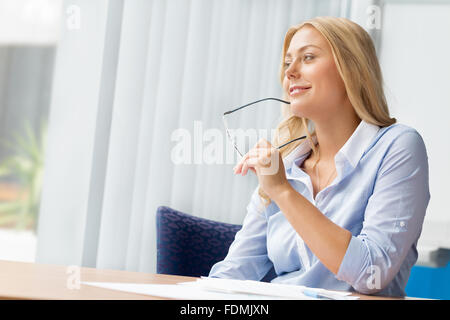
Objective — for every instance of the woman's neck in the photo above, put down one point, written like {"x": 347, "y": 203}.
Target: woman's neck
{"x": 333, "y": 134}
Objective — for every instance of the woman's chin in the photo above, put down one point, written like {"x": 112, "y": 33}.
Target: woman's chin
{"x": 300, "y": 109}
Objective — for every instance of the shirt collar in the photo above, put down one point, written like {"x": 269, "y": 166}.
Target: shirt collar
{"x": 352, "y": 150}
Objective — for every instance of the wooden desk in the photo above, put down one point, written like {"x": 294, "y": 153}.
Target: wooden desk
{"x": 20, "y": 280}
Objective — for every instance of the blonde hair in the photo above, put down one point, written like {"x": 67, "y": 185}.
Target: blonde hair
{"x": 357, "y": 63}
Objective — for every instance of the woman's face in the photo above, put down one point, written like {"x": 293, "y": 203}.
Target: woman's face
{"x": 311, "y": 79}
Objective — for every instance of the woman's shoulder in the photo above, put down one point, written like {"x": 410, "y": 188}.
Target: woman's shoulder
{"x": 396, "y": 129}
{"x": 398, "y": 134}
{"x": 400, "y": 138}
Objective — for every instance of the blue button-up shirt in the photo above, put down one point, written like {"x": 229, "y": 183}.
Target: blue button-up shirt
{"x": 380, "y": 195}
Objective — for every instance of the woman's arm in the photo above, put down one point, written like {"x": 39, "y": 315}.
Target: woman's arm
{"x": 327, "y": 240}
{"x": 393, "y": 220}
{"x": 393, "y": 217}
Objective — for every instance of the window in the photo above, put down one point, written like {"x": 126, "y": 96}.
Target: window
{"x": 28, "y": 38}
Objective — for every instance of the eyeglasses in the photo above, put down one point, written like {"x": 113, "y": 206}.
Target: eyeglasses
{"x": 232, "y": 139}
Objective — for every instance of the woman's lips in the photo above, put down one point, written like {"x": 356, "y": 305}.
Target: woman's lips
{"x": 298, "y": 90}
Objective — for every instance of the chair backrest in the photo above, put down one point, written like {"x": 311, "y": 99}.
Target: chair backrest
{"x": 188, "y": 245}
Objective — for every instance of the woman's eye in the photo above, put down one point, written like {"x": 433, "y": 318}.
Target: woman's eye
{"x": 307, "y": 57}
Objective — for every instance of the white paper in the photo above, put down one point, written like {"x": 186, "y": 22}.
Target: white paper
{"x": 286, "y": 291}
{"x": 222, "y": 289}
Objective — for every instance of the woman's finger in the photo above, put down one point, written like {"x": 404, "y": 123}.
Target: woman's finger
{"x": 237, "y": 169}
{"x": 252, "y": 153}
{"x": 250, "y": 163}
{"x": 245, "y": 166}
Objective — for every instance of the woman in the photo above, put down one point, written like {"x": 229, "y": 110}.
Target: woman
{"x": 343, "y": 209}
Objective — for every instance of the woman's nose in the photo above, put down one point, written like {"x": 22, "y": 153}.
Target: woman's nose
{"x": 292, "y": 71}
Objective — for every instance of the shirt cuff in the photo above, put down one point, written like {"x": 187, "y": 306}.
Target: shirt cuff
{"x": 353, "y": 263}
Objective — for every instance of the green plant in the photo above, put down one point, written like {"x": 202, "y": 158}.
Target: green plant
{"x": 26, "y": 166}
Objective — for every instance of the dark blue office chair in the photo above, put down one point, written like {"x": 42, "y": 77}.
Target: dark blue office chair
{"x": 190, "y": 246}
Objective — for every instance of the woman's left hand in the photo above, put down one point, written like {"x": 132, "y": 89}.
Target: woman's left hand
{"x": 266, "y": 162}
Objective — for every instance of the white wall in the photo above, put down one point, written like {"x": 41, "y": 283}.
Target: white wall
{"x": 414, "y": 54}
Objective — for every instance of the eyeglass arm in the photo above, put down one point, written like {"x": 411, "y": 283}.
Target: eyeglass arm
{"x": 249, "y": 104}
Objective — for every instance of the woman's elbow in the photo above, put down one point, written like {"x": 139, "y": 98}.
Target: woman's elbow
{"x": 373, "y": 281}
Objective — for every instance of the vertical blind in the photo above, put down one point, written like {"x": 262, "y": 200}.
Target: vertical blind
{"x": 134, "y": 73}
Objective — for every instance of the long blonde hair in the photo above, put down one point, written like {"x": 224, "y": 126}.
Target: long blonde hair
{"x": 357, "y": 63}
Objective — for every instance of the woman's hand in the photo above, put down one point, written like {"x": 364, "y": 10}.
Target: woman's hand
{"x": 266, "y": 162}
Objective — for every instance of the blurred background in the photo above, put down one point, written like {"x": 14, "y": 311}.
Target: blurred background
{"x": 91, "y": 93}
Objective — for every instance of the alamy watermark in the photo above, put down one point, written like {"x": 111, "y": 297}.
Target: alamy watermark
{"x": 73, "y": 17}
{"x": 373, "y": 17}
{"x": 74, "y": 277}
{"x": 374, "y": 279}
{"x": 212, "y": 146}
